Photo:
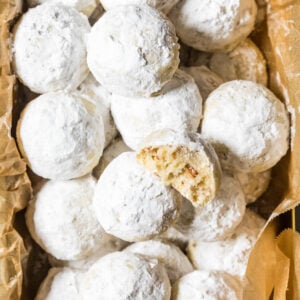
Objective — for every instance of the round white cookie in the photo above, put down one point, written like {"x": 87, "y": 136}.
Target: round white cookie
{"x": 244, "y": 62}
{"x": 133, "y": 50}
{"x": 91, "y": 90}
{"x": 213, "y": 25}
{"x": 230, "y": 255}
{"x": 60, "y": 135}
{"x": 162, "y": 5}
{"x": 132, "y": 204}
{"x": 247, "y": 125}
{"x": 178, "y": 106}
{"x": 60, "y": 283}
{"x": 84, "y": 6}
{"x": 219, "y": 218}
{"x": 62, "y": 221}
{"x": 116, "y": 148}
{"x": 183, "y": 160}
{"x": 207, "y": 285}
{"x": 112, "y": 245}
{"x": 123, "y": 276}
{"x": 206, "y": 80}
{"x": 50, "y": 48}
{"x": 254, "y": 184}
{"x": 175, "y": 262}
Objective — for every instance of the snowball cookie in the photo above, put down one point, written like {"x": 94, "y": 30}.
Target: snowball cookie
{"x": 132, "y": 204}
{"x": 207, "y": 285}
{"x": 206, "y": 80}
{"x": 116, "y": 148}
{"x": 179, "y": 106}
{"x": 162, "y": 5}
{"x": 112, "y": 245}
{"x": 213, "y": 25}
{"x": 60, "y": 283}
{"x": 254, "y": 184}
{"x": 123, "y": 276}
{"x": 247, "y": 125}
{"x": 62, "y": 221}
{"x": 218, "y": 218}
{"x": 133, "y": 50}
{"x": 60, "y": 135}
{"x": 244, "y": 62}
{"x": 185, "y": 161}
{"x": 230, "y": 255}
{"x": 85, "y": 6}
{"x": 50, "y": 48}
{"x": 175, "y": 262}
{"x": 93, "y": 91}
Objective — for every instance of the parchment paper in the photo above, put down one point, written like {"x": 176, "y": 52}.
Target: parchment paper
{"x": 273, "y": 269}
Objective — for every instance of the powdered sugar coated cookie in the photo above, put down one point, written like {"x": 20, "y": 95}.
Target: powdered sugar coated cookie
{"x": 60, "y": 135}
{"x": 213, "y": 25}
{"x": 133, "y": 50}
{"x": 50, "y": 48}
{"x": 132, "y": 204}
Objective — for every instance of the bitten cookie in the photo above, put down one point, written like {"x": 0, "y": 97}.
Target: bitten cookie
{"x": 116, "y": 148}
{"x": 60, "y": 283}
{"x": 206, "y": 80}
{"x": 131, "y": 203}
{"x": 49, "y": 48}
{"x": 60, "y": 135}
{"x": 62, "y": 221}
{"x": 247, "y": 125}
{"x": 179, "y": 106}
{"x": 183, "y": 160}
{"x": 213, "y": 25}
{"x": 217, "y": 219}
{"x": 133, "y": 50}
{"x": 230, "y": 255}
{"x": 123, "y": 276}
{"x": 84, "y": 6}
{"x": 175, "y": 262}
{"x": 244, "y": 62}
{"x": 254, "y": 184}
{"x": 207, "y": 285}
{"x": 91, "y": 90}
{"x": 162, "y": 5}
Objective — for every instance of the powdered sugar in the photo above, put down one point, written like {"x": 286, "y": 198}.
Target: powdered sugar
{"x": 133, "y": 50}
{"x": 60, "y": 135}
{"x": 132, "y": 204}
{"x": 247, "y": 125}
{"x": 50, "y": 49}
